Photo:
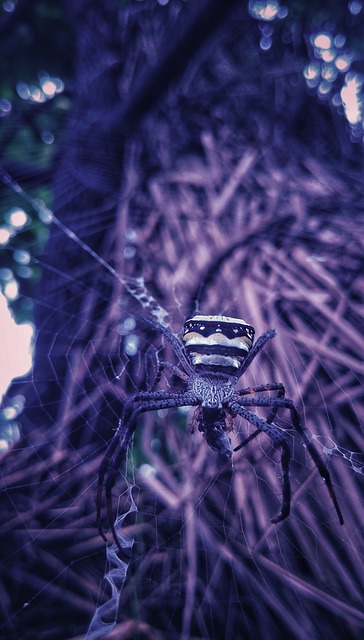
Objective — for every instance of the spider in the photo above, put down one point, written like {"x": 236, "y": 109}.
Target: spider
{"x": 215, "y": 352}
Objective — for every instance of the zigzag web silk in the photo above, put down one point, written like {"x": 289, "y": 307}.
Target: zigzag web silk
{"x": 104, "y": 618}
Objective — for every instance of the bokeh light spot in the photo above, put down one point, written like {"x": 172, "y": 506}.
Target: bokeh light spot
{"x": 263, "y": 10}
{"x": 343, "y": 62}
{"x": 131, "y": 344}
{"x": 350, "y": 96}
{"x": 329, "y": 72}
{"x": 5, "y": 107}
{"x": 265, "y": 43}
{"x": 9, "y": 6}
{"x": 11, "y": 290}
{"x": 355, "y": 7}
{"x": 49, "y": 88}
{"x": 23, "y": 90}
{"x": 339, "y": 40}
{"x": 47, "y": 137}
{"x": 312, "y": 71}
{"x": 328, "y": 55}
{"x": 322, "y": 40}
{"x": 127, "y": 325}
{"x": 5, "y": 235}
{"x": 17, "y": 218}
{"x": 324, "y": 88}
{"x": 21, "y": 256}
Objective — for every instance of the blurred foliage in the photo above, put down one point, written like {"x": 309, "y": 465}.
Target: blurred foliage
{"x": 36, "y": 53}
{"x": 38, "y": 46}
{"x": 34, "y": 34}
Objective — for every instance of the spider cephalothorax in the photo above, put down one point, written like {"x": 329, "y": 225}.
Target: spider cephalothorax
{"x": 213, "y": 355}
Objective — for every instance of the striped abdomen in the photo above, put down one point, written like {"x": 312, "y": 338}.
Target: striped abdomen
{"x": 217, "y": 343}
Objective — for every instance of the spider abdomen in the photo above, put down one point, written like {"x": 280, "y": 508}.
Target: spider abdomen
{"x": 217, "y": 343}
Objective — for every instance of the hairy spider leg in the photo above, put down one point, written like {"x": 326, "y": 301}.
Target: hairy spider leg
{"x": 279, "y": 439}
{"x": 113, "y": 445}
{"x": 261, "y": 388}
{"x": 118, "y": 438}
{"x": 174, "y": 341}
{"x": 152, "y": 363}
{"x": 285, "y": 403}
{"x": 256, "y": 348}
{"x": 105, "y": 463}
{"x": 127, "y": 429}
{"x": 116, "y": 441}
{"x": 172, "y": 367}
{"x": 160, "y": 368}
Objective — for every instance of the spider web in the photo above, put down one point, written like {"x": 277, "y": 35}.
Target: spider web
{"x": 230, "y": 501}
{"x": 228, "y": 226}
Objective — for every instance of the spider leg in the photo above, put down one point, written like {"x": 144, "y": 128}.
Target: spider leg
{"x": 270, "y": 386}
{"x": 118, "y": 448}
{"x": 257, "y": 347}
{"x": 279, "y": 439}
{"x": 285, "y": 403}
{"x": 119, "y": 459}
{"x": 160, "y": 369}
{"x": 248, "y": 439}
{"x": 176, "y": 344}
{"x": 176, "y": 370}
{"x": 116, "y": 443}
{"x": 104, "y": 466}
{"x": 273, "y": 386}
{"x": 194, "y": 421}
